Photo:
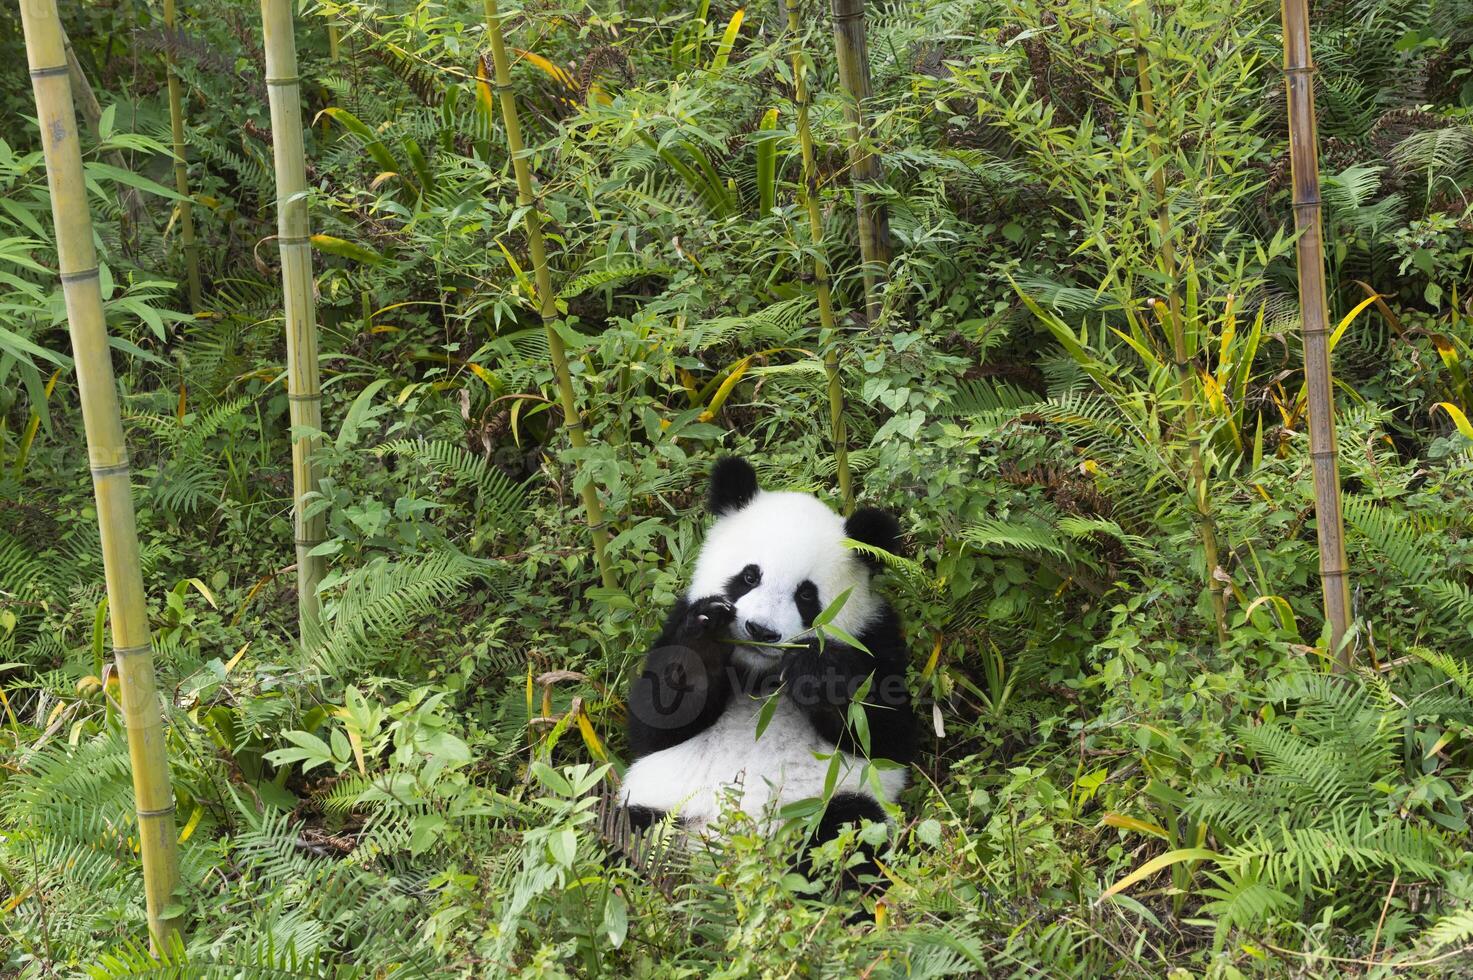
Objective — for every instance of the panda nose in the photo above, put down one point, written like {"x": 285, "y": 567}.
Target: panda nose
{"x": 762, "y": 633}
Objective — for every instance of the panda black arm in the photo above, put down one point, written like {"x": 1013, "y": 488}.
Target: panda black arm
{"x": 685, "y": 683}
{"x": 823, "y": 682}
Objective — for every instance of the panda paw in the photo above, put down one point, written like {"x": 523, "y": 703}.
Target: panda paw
{"x": 705, "y": 618}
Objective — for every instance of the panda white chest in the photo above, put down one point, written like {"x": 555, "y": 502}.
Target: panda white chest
{"x": 727, "y": 760}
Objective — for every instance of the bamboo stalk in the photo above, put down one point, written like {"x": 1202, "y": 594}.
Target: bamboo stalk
{"x": 107, "y": 455}
{"x": 1186, "y": 378}
{"x": 865, "y": 168}
{"x": 546, "y": 298}
{"x": 181, "y": 164}
{"x": 1314, "y": 313}
{"x": 808, "y": 195}
{"x": 304, "y": 392}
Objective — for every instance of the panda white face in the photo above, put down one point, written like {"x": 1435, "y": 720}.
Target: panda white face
{"x": 780, "y": 559}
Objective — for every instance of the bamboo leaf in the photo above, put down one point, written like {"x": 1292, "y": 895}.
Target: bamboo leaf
{"x": 723, "y": 48}
{"x": 1459, "y": 419}
{"x": 719, "y": 399}
{"x": 1125, "y": 822}
{"x": 767, "y": 162}
{"x": 120, "y": 176}
{"x": 1156, "y": 864}
{"x": 371, "y": 143}
{"x": 348, "y": 250}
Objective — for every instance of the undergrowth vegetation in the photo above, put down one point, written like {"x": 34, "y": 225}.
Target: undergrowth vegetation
{"x": 1107, "y": 787}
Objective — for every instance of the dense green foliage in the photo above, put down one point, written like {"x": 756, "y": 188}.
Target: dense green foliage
{"x": 1105, "y": 789}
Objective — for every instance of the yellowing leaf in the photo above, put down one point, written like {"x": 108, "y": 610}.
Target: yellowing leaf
{"x": 204, "y": 590}
{"x": 1156, "y": 864}
{"x": 547, "y": 67}
{"x": 1459, "y": 419}
{"x": 347, "y": 249}
{"x": 719, "y": 399}
{"x": 1125, "y": 822}
{"x": 485, "y": 375}
{"x": 194, "y": 819}
{"x": 230, "y": 665}
{"x": 933, "y": 659}
{"x": 1286, "y": 613}
{"x": 728, "y": 39}
{"x": 590, "y": 737}
{"x": 1213, "y": 391}
{"x": 1346, "y": 320}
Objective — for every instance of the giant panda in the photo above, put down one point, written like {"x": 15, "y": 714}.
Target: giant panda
{"x": 742, "y": 633}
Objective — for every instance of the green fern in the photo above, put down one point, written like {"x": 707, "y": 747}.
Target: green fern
{"x": 385, "y": 599}
{"x": 1017, "y": 537}
{"x": 499, "y": 500}
{"x": 1452, "y": 929}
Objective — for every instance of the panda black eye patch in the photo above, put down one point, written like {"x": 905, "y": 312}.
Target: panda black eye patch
{"x": 743, "y": 582}
{"x": 806, "y": 598}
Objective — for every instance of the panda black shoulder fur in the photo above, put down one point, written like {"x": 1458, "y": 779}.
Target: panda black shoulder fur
{"x": 770, "y": 563}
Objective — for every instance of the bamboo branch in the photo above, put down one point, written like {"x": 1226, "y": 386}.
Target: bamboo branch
{"x": 304, "y": 392}
{"x": 1314, "y": 315}
{"x": 1186, "y": 379}
{"x": 181, "y": 165}
{"x": 808, "y": 196}
{"x": 107, "y": 455}
{"x": 865, "y": 167}
{"x": 546, "y": 298}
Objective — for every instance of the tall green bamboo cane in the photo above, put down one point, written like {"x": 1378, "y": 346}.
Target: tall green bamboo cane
{"x": 1185, "y": 377}
{"x": 809, "y": 196}
{"x": 181, "y": 164}
{"x": 865, "y": 168}
{"x": 304, "y": 392}
{"x": 546, "y": 298}
{"x": 1314, "y": 312}
{"x": 107, "y": 455}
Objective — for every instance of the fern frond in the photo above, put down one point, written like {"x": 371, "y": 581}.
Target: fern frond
{"x": 386, "y": 599}
{"x": 1450, "y": 930}
{"x": 499, "y": 500}
{"x": 911, "y": 573}
{"x": 608, "y": 276}
{"x": 1013, "y": 537}
{"x": 994, "y": 400}
{"x": 1400, "y": 537}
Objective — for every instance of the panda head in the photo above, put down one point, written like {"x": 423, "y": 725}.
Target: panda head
{"x": 780, "y": 558}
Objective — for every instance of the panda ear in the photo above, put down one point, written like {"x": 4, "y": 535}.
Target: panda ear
{"x": 876, "y": 528}
{"x": 733, "y": 485}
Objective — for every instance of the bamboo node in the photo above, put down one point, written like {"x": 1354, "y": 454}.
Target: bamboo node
{"x": 142, "y": 649}
{"x": 48, "y": 72}
{"x": 112, "y": 469}
{"x": 285, "y": 80}
{"x": 307, "y": 542}
{"x": 154, "y": 814}
{"x": 313, "y": 397}
{"x": 1314, "y": 203}
{"x": 68, "y": 278}
{"x": 293, "y": 239}
{"x": 841, "y": 17}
